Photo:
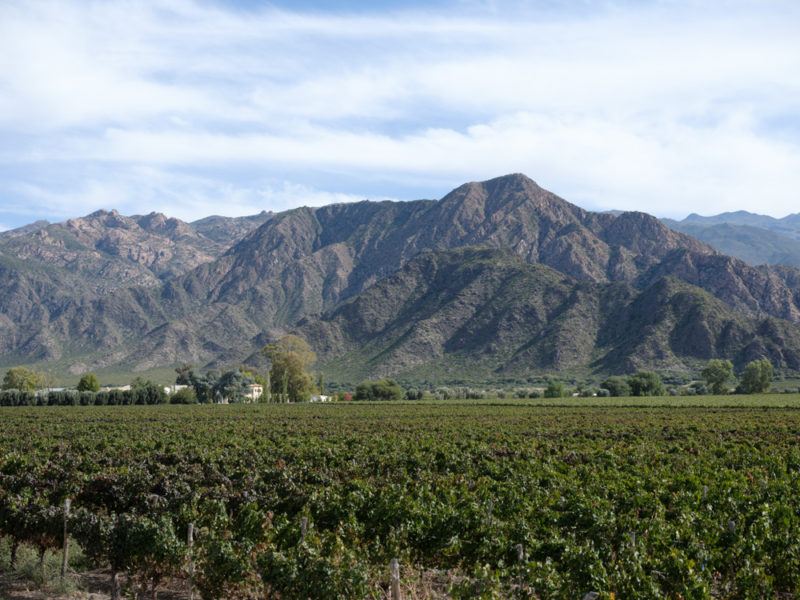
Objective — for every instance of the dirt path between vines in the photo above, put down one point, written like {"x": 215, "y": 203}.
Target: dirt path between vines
{"x": 92, "y": 585}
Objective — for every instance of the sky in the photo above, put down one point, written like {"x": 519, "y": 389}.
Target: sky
{"x": 198, "y": 107}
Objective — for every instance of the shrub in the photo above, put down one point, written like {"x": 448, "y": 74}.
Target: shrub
{"x": 555, "y": 389}
{"x": 89, "y": 383}
{"x": 184, "y": 396}
{"x": 757, "y": 377}
{"x": 383, "y": 389}
{"x": 616, "y": 386}
{"x": 717, "y": 374}
{"x": 646, "y": 383}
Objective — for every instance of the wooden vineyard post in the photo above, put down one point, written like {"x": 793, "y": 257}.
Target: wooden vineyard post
{"x": 303, "y": 528}
{"x": 190, "y": 546}
{"x": 65, "y": 556}
{"x": 520, "y": 551}
{"x": 394, "y": 570}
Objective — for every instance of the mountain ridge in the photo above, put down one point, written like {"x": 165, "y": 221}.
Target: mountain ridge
{"x": 756, "y": 239}
{"x": 212, "y": 294}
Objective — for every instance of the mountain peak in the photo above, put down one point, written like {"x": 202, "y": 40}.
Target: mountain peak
{"x": 507, "y": 191}
{"x": 518, "y": 178}
{"x": 101, "y": 213}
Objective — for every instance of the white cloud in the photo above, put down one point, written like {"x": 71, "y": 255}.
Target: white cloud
{"x": 143, "y": 189}
{"x": 605, "y": 163}
{"x": 668, "y": 107}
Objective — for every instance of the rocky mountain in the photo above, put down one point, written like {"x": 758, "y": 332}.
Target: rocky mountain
{"x": 756, "y": 239}
{"x": 106, "y": 250}
{"x": 497, "y": 278}
{"x": 229, "y": 230}
{"x": 492, "y": 311}
{"x": 25, "y": 229}
{"x": 788, "y": 225}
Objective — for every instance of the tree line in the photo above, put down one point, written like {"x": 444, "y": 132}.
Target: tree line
{"x": 718, "y": 375}
{"x": 289, "y": 380}
{"x": 718, "y": 378}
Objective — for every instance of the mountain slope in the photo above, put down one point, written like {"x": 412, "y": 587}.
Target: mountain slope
{"x": 490, "y": 310}
{"x": 106, "y": 250}
{"x": 306, "y": 260}
{"x": 497, "y": 277}
{"x": 756, "y": 239}
{"x": 229, "y": 230}
{"x": 754, "y": 245}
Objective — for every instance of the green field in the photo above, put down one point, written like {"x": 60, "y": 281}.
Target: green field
{"x": 636, "y": 497}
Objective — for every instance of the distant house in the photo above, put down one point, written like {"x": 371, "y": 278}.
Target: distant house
{"x": 320, "y": 398}
{"x": 171, "y": 389}
{"x": 251, "y": 393}
{"x": 116, "y": 388}
{"x": 254, "y": 392}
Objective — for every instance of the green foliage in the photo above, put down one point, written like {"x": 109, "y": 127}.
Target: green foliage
{"x": 88, "y": 383}
{"x": 205, "y": 386}
{"x": 518, "y": 499}
{"x": 321, "y": 565}
{"x": 383, "y": 389}
{"x": 757, "y": 377}
{"x": 646, "y": 383}
{"x": 718, "y": 373}
{"x": 555, "y": 389}
{"x": 184, "y": 374}
{"x": 213, "y": 387}
{"x": 23, "y": 379}
{"x": 146, "y": 392}
{"x": 184, "y": 396}
{"x": 290, "y": 358}
{"x": 233, "y": 385}
{"x": 617, "y": 386}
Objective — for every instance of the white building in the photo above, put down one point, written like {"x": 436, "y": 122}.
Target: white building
{"x": 254, "y": 392}
{"x": 116, "y": 388}
{"x": 171, "y": 389}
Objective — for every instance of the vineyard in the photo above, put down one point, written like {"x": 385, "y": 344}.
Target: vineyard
{"x": 645, "y": 498}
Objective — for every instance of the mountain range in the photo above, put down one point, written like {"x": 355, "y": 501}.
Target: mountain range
{"x": 498, "y": 279}
{"x": 756, "y": 239}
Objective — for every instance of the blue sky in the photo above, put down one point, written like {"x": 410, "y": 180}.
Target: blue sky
{"x": 196, "y": 107}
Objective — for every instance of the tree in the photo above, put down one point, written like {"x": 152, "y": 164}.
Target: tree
{"x": 255, "y": 376}
{"x": 204, "y": 385}
{"x": 185, "y": 395}
{"x": 383, "y": 389}
{"x": 646, "y": 383}
{"x": 757, "y": 377}
{"x": 320, "y": 383}
{"x": 554, "y": 389}
{"x": 291, "y": 357}
{"x": 147, "y": 392}
{"x": 718, "y": 373}
{"x": 89, "y": 383}
{"x": 23, "y": 379}
{"x": 616, "y": 386}
{"x": 184, "y": 374}
{"x": 232, "y": 385}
